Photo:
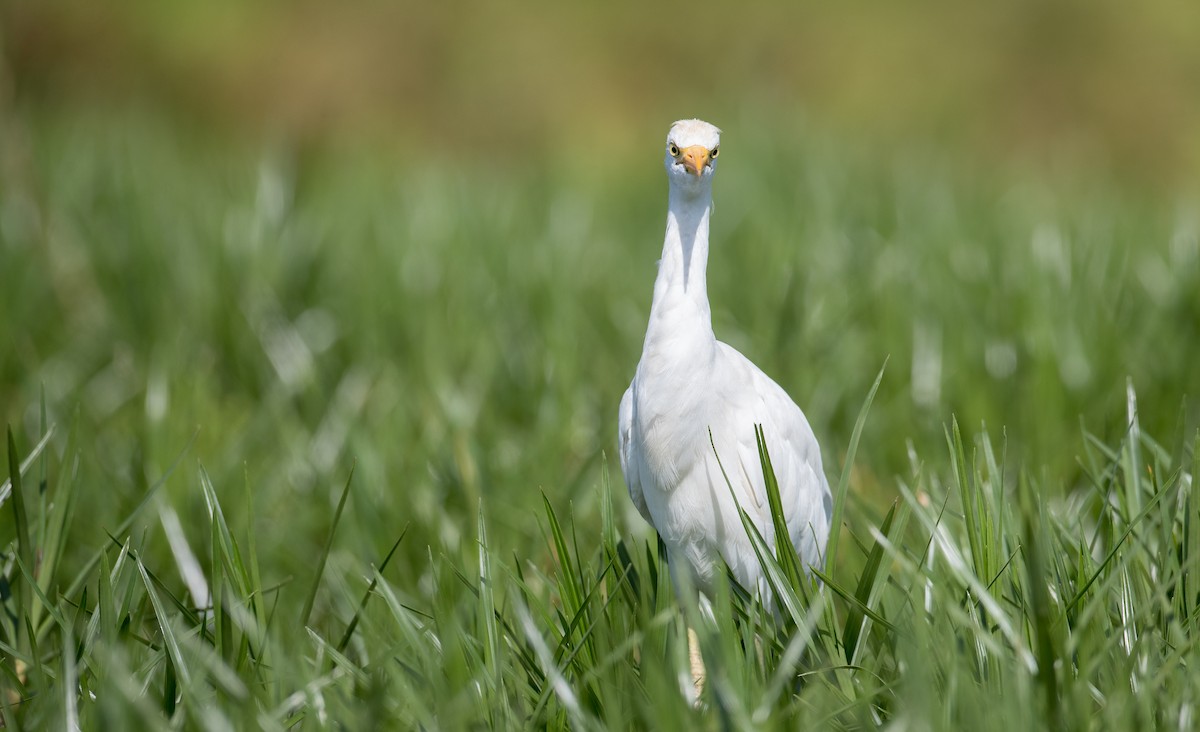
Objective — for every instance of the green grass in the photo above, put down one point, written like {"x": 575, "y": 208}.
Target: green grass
{"x": 369, "y": 407}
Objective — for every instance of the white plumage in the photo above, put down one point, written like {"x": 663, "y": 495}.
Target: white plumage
{"x": 688, "y": 383}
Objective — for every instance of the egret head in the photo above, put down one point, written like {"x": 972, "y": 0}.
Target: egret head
{"x": 692, "y": 147}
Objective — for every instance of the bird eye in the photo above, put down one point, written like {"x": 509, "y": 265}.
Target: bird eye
{"x": 715, "y": 150}
{"x": 674, "y": 150}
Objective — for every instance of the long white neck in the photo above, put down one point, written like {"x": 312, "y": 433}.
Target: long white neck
{"x": 680, "y": 309}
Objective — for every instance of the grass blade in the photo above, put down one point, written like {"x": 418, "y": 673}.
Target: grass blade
{"x": 70, "y": 682}
{"x": 345, "y": 641}
{"x": 25, "y": 601}
{"x": 782, "y": 588}
{"x": 487, "y": 599}
{"x": 785, "y": 550}
{"x": 1039, "y": 601}
{"x": 866, "y": 586}
{"x": 122, "y": 527}
{"x": 839, "y": 496}
{"x": 570, "y": 584}
{"x": 60, "y": 514}
{"x": 337, "y": 516}
{"x": 6, "y": 486}
{"x": 174, "y": 654}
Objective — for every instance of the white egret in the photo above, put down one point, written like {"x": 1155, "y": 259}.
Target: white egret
{"x": 688, "y": 383}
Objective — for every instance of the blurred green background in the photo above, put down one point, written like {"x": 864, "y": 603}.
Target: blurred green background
{"x": 1092, "y": 84}
{"x": 422, "y": 237}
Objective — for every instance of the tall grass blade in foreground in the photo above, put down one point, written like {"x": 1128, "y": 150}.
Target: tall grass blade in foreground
{"x": 24, "y": 596}
{"x": 839, "y": 495}
{"x": 324, "y": 557}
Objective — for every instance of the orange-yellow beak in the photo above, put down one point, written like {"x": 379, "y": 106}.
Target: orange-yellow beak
{"x": 694, "y": 159}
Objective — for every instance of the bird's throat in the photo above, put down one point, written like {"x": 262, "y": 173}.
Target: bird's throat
{"x": 680, "y": 307}
{"x": 684, "y": 264}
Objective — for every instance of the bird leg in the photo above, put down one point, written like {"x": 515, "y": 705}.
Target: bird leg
{"x": 696, "y": 665}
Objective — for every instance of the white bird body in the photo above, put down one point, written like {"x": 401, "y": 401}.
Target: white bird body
{"x": 688, "y": 383}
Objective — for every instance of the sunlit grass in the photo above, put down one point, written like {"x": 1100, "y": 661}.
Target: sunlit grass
{"x": 323, "y": 443}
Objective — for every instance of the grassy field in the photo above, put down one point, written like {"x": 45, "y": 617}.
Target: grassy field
{"x": 324, "y": 439}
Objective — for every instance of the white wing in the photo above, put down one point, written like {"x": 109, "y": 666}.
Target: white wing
{"x": 749, "y": 398}
{"x": 629, "y": 460}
